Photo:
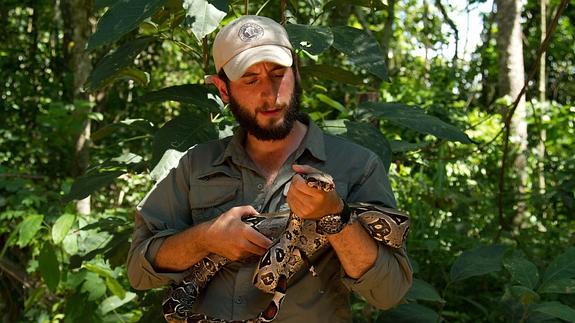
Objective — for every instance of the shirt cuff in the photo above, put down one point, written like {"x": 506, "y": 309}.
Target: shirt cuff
{"x": 152, "y": 276}
{"x": 374, "y": 276}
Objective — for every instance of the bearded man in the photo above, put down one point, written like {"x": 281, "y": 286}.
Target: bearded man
{"x": 197, "y": 209}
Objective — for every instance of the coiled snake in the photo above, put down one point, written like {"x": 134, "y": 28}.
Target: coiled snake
{"x": 288, "y": 254}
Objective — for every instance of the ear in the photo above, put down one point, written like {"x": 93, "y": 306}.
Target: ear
{"x": 222, "y": 88}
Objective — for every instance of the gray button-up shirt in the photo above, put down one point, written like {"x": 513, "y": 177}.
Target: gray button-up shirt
{"x": 211, "y": 178}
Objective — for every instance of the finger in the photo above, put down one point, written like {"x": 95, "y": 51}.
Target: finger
{"x": 252, "y": 248}
{"x": 300, "y": 187}
{"x": 305, "y": 169}
{"x": 257, "y": 239}
{"x": 244, "y": 210}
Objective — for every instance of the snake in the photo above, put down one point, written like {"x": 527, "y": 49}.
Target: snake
{"x": 294, "y": 241}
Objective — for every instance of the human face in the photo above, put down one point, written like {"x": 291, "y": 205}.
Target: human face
{"x": 265, "y": 100}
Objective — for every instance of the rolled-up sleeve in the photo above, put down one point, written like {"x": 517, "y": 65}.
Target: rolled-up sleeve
{"x": 384, "y": 284}
{"x": 388, "y": 280}
{"x": 163, "y": 212}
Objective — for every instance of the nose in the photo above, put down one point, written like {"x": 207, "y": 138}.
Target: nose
{"x": 269, "y": 90}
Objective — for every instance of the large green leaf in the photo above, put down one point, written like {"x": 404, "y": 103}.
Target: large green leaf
{"x": 204, "y": 17}
{"x": 525, "y": 295}
{"x": 138, "y": 125}
{"x": 62, "y": 226}
{"x": 416, "y": 119}
{"x": 123, "y": 17}
{"x": 116, "y": 61}
{"x": 556, "y": 309}
{"x": 168, "y": 161}
{"x": 28, "y": 229}
{"x": 562, "y": 267}
{"x": 362, "y": 50}
{"x": 522, "y": 271}
{"x": 313, "y": 39}
{"x": 362, "y": 134}
{"x": 409, "y": 313}
{"x": 113, "y": 302}
{"x": 559, "y": 286}
{"x": 49, "y": 267}
{"x": 182, "y": 132}
{"x": 92, "y": 181}
{"x": 476, "y": 262}
{"x": 195, "y": 94}
{"x": 94, "y": 286}
{"x": 421, "y": 290}
{"x": 115, "y": 287}
{"x": 331, "y": 73}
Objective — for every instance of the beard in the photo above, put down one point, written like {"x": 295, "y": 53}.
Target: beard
{"x": 273, "y": 132}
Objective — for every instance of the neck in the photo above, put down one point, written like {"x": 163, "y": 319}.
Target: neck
{"x": 269, "y": 155}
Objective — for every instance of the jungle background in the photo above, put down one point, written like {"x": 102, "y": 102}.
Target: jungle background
{"x": 99, "y": 98}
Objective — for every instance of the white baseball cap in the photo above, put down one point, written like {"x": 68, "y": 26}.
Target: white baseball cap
{"x": 249, "y": 40}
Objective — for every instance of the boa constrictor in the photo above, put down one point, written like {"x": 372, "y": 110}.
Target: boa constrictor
{"x": 293, "y": 243}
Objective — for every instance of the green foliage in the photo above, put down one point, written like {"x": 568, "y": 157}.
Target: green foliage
{"x": 436, "y": 128}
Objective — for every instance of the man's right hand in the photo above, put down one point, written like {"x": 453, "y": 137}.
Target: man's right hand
{"x": 230, "y": 237}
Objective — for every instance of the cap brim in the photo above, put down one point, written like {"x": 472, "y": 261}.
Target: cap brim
{"x": 237, "y": 66}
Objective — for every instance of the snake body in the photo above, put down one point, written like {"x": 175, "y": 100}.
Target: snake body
{"x": 294, "y": 242}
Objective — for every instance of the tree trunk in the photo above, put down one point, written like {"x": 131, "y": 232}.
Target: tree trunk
{"x": 511, "y": 80}
{"x": 76, "y": 15}
{"x": 388, "y": 31}
{"x": 542, "y": 100}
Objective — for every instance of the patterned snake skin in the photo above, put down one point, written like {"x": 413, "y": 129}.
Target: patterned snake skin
{"x": 293, "y": 243}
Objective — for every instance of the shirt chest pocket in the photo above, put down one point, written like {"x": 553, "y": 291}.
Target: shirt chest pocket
{"x": 211, "y": 197}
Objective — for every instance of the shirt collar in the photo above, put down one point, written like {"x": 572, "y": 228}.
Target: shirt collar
{"x": 313, "y": 142}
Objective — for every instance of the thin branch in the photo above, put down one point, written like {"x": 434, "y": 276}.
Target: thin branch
{"x": 451, "y": 24}
{"x": 507, "y": 125}
{"x": 14, "y": 271}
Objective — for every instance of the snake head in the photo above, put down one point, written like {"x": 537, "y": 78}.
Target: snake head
{"x": 321, "y": 181}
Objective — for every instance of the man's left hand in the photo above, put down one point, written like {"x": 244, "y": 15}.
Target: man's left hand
{"x": 309, "y": 202}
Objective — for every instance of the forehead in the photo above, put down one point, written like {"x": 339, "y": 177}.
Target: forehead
{"x": 263, "y": 67}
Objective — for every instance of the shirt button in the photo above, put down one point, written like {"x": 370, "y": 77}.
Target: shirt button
{"x": 239, "y": 300}
{"x": 260, "y": 186}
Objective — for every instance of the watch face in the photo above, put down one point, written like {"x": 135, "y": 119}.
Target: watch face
{"x": 330, "y": 224}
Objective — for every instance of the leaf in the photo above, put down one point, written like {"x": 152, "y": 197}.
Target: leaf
{"x": 123, "y": 17}
{"x": 331, "y": 73}
{"x": 416, "y": 119}
{"x": 28, "y": 229}
{"x": 371, "y": 4}
{"x": 400, "y": 146}
{"x": 421, "y": 290}
{"x": 560, "y": 268}
{"x": 49, "y": 267}
{"x": 331, "y": 102}
{"x": 92, "y": 181}
{"x": 559, "y": 286}
{"x": 313, "y": 39}
{"x": 113, "y": 302}
{"x": 409, "y": 313}
{"x": 476, "y": 262}
{"x": 169, "y": 160}
{"x": 115, "y": 287}
{"x": 97, "y": 269}
{"x": 94, "y": 285}
{"x": 140, "y": 125}
{"x": 204, "y": 17}
{"x": 362, "y": 134}
{"x": 525, "y": 295}
{"x": 522, "y": 271}
{"x": 114, "y": 62}
{"x": 362, "y": 50}
{"x": 62, "y": 226}
{"x": 556, "y": 309}
{"x": 195, "y": 94}
{"x": 183, "y": 132}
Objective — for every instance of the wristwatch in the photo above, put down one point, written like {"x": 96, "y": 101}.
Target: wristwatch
{"x": 334, "y": 223}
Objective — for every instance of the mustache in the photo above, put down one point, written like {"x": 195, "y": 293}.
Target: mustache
{"x": 268, "y": 107}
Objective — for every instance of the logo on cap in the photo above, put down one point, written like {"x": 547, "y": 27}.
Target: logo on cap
{"x": 250, "y": 31}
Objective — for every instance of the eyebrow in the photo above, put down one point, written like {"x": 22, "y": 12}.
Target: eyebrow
{"x": 277, "y": 67}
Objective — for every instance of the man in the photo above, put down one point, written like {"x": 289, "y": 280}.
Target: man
{"x": 197, "y": 208}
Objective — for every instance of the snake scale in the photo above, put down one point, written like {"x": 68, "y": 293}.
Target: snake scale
{"x": 294, "y": 241}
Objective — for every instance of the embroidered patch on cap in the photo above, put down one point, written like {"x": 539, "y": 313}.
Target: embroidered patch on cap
{"x": 250, "y": 31}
